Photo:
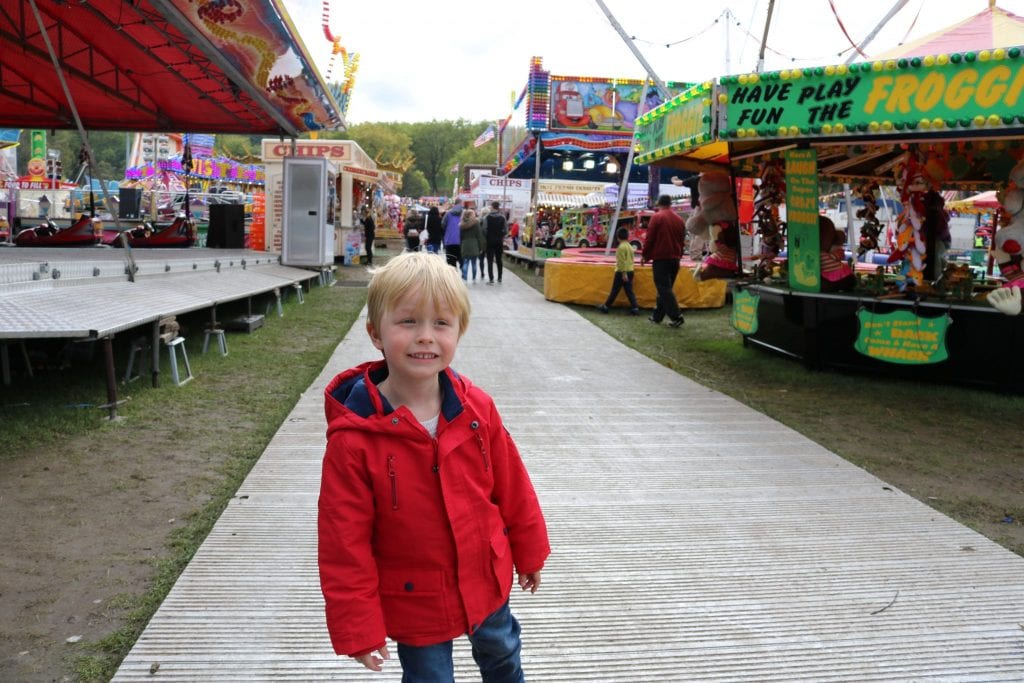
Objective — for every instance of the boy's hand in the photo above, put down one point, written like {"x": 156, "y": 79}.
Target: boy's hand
{"x": 530, "y": 582}
{"x": 372, "y": 662}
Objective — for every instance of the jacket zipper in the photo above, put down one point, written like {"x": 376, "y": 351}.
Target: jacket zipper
{"x": 483, "y": 450}
{"x": 394, "y": 482}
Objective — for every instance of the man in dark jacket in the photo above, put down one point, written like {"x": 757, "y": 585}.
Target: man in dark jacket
{"x": 495, "y": 228}
{"x": 666, "y": 237}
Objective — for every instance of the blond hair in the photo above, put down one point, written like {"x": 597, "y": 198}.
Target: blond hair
{"x": 430, "y": 274}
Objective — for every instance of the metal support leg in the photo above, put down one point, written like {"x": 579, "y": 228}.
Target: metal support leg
{"x": 222, "y": 343}
{"x": 298, "y": 292}
{"x": 139, "y": 347}
{"x": 171, "y": 348}
{"x": 277, "y": 298}
{"x": 108, "y": 353}
{"x": 154, "y": 360}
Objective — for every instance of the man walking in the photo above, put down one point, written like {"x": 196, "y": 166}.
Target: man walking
{"x": 495, "y": 228}
{"x": 663, "y": 247}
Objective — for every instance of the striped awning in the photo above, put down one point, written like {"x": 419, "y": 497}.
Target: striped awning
{"x": 562, "y": 201}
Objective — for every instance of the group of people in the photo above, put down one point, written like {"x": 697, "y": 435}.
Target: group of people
{"x": 464, "y": 238}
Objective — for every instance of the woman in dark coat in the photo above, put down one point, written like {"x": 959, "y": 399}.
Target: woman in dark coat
{"x": 413, "y": 226}
{"x": 435, "y": 231}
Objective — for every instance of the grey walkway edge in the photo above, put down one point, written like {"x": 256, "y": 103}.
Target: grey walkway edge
{"x": 693, "y": 539}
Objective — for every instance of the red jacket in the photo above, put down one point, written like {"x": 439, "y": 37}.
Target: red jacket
{"x": 666, "y": 236}
{"x": 417, "y": 535}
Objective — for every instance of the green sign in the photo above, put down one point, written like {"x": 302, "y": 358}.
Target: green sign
{"x": 676, "y": 125}
{"x": 744, "y": 312}
{"x": 37, "y": 144}
{"x": 963, "y": 91}
{"x": 902, "y": 337}
{"x": 802, "y": 220}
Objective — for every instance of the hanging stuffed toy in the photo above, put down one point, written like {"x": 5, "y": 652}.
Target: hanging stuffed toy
{"x": 1008, "y": 248}
{"x": 771, "y": 193}
{"x": 872, "y": 227}
{"x": 935, "y": 227}
{"x": 717, "y": 217}
{"x": 910, "y": 238}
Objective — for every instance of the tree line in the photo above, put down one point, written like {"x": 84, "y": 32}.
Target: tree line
{"x": 425, "y": 152}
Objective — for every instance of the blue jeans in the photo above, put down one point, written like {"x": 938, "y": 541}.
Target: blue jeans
{"x": 468, "y": 264}
{"x": 496, "y": 646}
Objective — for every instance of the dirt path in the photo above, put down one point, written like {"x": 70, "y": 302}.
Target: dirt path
{"x": 82, "y": 531}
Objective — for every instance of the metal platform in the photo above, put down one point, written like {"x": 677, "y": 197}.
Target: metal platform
{"x": 693, "y": 539}
{"x": 96, "y": 293}
{"x": 89, "y": 293}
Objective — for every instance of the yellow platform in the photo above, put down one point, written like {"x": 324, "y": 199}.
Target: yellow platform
{"x": 588, "y": 282}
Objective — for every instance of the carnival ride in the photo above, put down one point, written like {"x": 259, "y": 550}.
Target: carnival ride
{"x": 86, "y": 231}
{"x": 180, "y": 233}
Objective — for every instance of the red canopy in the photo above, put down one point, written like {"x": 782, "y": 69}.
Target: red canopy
{"x": 160, "y": 65}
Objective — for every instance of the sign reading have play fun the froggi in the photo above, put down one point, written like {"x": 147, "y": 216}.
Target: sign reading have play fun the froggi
{"x": 962, "y": 91}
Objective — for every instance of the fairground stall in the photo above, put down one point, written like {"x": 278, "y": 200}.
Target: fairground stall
{"x": 577, "y": 140}
{"x": 359, "y": 185}
{"x": 922, "y": 124}
{"x": 577, "y": 152}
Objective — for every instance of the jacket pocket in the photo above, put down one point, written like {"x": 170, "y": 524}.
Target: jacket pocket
{"x": 414, "y": 602}
{"x": 501, "y": 560}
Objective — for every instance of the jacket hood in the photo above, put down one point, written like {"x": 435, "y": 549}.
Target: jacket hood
{"x": 457, "y": 209}
{"x": 352, "y": 399}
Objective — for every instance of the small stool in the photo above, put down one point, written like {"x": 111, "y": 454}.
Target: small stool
{"x": 277, "y": 297}
{"x": 222, "y": 342}
{"x": 172, "y": 345}
{"x": 139, "y": 346}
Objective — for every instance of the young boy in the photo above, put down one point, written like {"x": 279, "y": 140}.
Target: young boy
{"x": 623, "y": 278}
{"x": 425, "y": 504}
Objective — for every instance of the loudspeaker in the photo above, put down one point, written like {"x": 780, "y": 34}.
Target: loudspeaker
{"x": 227, "y": 226}
{"x": 129, "y": 202}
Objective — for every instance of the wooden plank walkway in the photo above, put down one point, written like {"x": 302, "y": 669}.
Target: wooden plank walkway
{"x": 694, "y": 539}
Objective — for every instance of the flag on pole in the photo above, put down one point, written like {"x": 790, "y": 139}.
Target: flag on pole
{"x": 504, "y": 123}
{"x": 484, "y": 137}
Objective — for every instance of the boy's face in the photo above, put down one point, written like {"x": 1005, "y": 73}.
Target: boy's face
{"x": 418, "y": 338}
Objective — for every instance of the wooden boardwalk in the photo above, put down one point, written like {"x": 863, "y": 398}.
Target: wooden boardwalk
{"x": 693, "y": 538}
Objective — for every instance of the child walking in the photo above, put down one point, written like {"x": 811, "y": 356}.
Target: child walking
{"x": 623, "y": 278}
{"x": 425, "y": 505}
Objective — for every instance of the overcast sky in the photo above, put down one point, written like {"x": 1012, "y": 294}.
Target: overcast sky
{"x": 450, "y": 59}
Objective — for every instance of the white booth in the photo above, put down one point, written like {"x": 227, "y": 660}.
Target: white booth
{"x": 310, "y": 191}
